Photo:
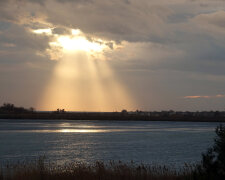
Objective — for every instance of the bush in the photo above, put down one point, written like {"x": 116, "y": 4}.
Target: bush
{"x": 213, "y": 161}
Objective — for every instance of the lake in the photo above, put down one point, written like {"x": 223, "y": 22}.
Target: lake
{"x": 62, "y": 141}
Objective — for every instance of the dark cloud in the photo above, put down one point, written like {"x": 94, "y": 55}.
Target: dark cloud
{"x": 61, "y": 31}
{"x": 75, "y": 1}
{"x": 212, "y": 21}
{"x": 19, "y": 45}
{"x": 25, "y": 40}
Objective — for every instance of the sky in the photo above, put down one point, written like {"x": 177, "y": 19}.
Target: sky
{"x": 109, "y": 55}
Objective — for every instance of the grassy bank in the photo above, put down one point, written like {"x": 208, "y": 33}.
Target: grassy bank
{"x": 40, "y": 170}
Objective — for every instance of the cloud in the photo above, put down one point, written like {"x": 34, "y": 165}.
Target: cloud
{"x": 196, "y": 97}
{"x": 19, "y": 45}
{"x": 61, "y": 31}
{"x": 211, "y": 22}
{"x": 117, "y": 20}
{"x": 203, "y": 97}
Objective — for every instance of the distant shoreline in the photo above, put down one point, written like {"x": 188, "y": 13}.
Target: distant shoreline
{"x": 10, "y": 111}
{"x": 116, "y": 116}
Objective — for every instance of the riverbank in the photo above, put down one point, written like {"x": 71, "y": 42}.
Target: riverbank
{"x": 111, "y": 116}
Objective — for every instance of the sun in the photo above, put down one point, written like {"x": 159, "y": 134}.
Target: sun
{"x": 79, "y": 43}
{"x": 73, "y": 42}
{"x": 76, "y": 41}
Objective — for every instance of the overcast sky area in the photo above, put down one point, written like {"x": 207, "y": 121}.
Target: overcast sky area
{"x": 169, "y": 54}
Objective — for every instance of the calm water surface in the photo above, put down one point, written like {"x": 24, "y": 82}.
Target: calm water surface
{"x": 64, "y": 141}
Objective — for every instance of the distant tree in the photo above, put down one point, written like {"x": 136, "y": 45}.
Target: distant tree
{"x": 60, "y": 111}
{"x": 31, "y": 109}
{"x": 213, "y": 161}
{"x": 10, "y": 108}
{"x": 124, "y": 111}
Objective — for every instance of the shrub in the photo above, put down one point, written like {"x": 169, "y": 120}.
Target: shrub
{"x": 213, "y": 161}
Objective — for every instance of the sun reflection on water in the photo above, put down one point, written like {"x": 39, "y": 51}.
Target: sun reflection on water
{"x": 82, "y": 130}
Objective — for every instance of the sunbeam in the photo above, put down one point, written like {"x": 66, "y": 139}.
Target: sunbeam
{"x": 81, "y": 83}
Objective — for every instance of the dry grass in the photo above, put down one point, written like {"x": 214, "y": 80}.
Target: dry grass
{"x": 41, "y": 170}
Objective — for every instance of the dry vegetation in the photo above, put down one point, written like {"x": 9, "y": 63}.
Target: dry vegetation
{"x": 40, "y": 170}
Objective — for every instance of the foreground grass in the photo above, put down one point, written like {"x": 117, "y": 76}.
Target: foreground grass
{"x": 40, "y": 170}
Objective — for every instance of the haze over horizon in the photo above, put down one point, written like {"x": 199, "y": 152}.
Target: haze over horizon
{"x": 95, "y": 55}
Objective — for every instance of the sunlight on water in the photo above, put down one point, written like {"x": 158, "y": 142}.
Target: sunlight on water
{"x": 87, "y": 141}
{"x": 82, "y": 130}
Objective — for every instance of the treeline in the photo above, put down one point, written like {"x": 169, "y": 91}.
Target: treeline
{"x": 9, "y": 111}
{"x": 11, "y": 108}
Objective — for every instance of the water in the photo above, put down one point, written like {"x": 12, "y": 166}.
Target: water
{"x": 87, "y": 141}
